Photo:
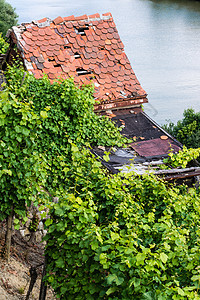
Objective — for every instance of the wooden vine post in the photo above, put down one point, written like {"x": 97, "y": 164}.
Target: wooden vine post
{"x": 43, "y": 286}
{"x": 8, "y": 235}
{"x": 33, "y": 273}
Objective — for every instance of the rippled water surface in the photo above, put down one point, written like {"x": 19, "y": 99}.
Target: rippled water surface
{"x": 162, "y": 41}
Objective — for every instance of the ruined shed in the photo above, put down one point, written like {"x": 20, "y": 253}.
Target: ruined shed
{"x": 89, "y": 49}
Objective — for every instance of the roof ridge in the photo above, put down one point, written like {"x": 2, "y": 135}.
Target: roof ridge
{"x": 94, "y": 17}
{"x": 45, "y": 22}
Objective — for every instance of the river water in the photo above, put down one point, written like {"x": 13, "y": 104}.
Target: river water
{"x": 161, "y": 38}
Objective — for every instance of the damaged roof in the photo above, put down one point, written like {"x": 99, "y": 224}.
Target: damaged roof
{"x": 152, "y": 144}
{"x": 87, "y": 48}
{"x": 150, "y": 140}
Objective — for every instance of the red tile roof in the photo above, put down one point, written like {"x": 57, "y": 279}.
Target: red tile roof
{"x": 87, "y": 48}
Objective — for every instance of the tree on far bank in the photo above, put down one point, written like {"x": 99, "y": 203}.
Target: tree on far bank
{"x": 186, "y": 130}
{"x": 8, "y": 17}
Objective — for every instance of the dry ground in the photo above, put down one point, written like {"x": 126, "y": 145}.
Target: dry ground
{"x": 15, "y": 276}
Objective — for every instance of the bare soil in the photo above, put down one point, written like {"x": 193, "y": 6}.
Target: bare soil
{"x": 15, "y": 276}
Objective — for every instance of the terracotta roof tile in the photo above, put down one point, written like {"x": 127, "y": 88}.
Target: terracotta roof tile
{"x": 100, "y": 55}
{"x": 81, "y": 17}
{"x": 36, "y": 53}
{"x": 70, "y": 18}
{"x": 94, "y": 23}
{"x": 43, "y": 48}
{"x": 42, "y": 20}
{"x": 111, "y": 30}
{"x": 108, "y": 47}
{"x": 37, "y": 74}
{"x": 89, "y": 49}
{"x": 40, "y": 59}
{"x": 90, "y": 38}
{"x": 94, "y": 16}
{"x": 52, "y": 42}
{"x": 80, "y": 42}
{"x": 58, "y": 20}
{"x": 47, "y": 37}
{"x": 104, "y": 64}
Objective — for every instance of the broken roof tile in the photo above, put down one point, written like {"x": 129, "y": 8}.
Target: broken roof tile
{"x": 74, "y": 46}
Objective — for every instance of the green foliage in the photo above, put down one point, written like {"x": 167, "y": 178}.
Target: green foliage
{"x": 22, "y": 168}
{"x": 69, "y": 109}
{"x": 8, "y": 17}
{"x": 3, "y": 45}
{"x": 67, "y": 112}
{"x": 114, "y": 237}
{"x": 109, "y": 236}
{"x": 182, "y": 158}
{"x": 187, "y": 131}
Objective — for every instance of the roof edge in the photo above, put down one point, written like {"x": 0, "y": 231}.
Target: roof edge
{"x": 45, "y": 22}
{"x": 121, "y": 104}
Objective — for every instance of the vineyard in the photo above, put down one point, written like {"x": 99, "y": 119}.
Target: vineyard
{"x": 108, "y": 236}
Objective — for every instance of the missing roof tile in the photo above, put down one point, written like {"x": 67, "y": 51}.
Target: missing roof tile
{"x": 77, "y": 55}
{"x": 81, "y": 30}
{"x": 81, "y": 71}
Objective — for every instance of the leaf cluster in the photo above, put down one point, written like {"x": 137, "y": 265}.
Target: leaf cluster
{"x": 187, "y": 130}
{"x": 37, "y": 119}
{"x": 109, "y": 236}
{"x": 182, "y": 158}
{"x": 114, "y": 237}
{"x": 22, "y": 167}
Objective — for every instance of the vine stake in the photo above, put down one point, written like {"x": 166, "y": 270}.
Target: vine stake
{"x": 34, "y": 275}
{"x": 43, "y": 287}
{"x": 8, "y": 235}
